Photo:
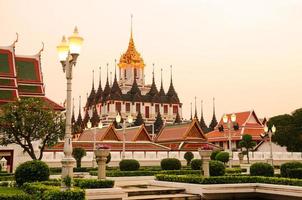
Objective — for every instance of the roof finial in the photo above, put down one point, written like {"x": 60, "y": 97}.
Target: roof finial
{"x": 93, "y": 79}
{"x": 41, "y": 48}
{"x": 115, "y": 69}
{"x": 110, "y": 78}
{"x": 100, "y": 76}
{"x": 80, "y": 104}
{"x": 161, "y": 77}
{"x": 131, "y": 24}
{"x": 213, "y": 105}
{"x": 153, "y": 71}
{"x": 195, "y": 115}
{"x": 171, "y": 73}
{"x": 191, "y": 111}
{"x": 107, "y": 72}
{"x": 201, "y": 106}
{"x": 16, "y": 40}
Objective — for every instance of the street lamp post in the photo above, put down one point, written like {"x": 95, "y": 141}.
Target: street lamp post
{"x": 89, "y": 126}
{"x": 270, "y": 133}
{"x": 229, "y": 123}
{"x": 68, "y": 54}
{"x": 118, "y": 119}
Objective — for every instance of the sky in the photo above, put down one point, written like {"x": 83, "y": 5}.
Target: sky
{"x": 246, "y": 54}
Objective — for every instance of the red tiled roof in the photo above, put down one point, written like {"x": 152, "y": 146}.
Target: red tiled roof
{"x": 132, "y": 133}
{"x": 114, "y": 146}
{"x": 53, "y": 104}
{"x": 88, "y": 134}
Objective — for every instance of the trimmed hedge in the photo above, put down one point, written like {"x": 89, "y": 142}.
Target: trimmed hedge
{"x": 196, "y": 164}
{"x": 170, "y": 164}
{"x": 93, "y": 183}
{"x": 129, "y": 165}
{"x": 217, "y": 168}
{"x": 228, "y": 179}
{"x": 289, "y": 165}
{"x": 31, "y": 171}
{"x": 7, "y": 178}
{"x": 13, "y": 194}
{"x": 233, "y": 170}
{"x": 261, "y": 169}
{"x": 115, "y": 173}
{"x": 295, "y": 173}
{"x": 46, "y": 192}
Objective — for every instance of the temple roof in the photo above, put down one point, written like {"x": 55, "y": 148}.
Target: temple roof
{"x": 134, "y": 93}
{"x": 202, "y": 123}
{"x": 115, "y": 92}
{"x": 107, "y": 89}
{"x": 91, "y": 97}
{"x": 99, "y": 93}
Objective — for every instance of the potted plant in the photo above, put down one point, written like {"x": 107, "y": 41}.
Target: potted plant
{"x": 102, "y": 151}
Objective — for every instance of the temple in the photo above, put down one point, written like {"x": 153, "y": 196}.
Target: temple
{"x": 130, "y": 95}
{"x": 21, "y": 77}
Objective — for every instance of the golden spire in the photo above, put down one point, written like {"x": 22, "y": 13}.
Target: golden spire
{"x": 131, "y": 57}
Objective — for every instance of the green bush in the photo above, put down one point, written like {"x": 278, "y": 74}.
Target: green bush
{"x": 289, "y": 165}
{"x": 217, "y": 168}
{"x": 223, "y": 156}
{"x": 170, "y": 164}
{"x": 10, "y": 193}
{"x": 228, "y": 179}
{"x": 129, "y": 165}
{"x": 108, "y": 158}
{"x": 93, "y": 183}
{"x": 188, "y": 157}
{"x": 80, "y": 169}
{"x": 233, "y": 170}
{"x": 45, "y": 192}
{"x": 31, "y": 171}
{"x": 295, "y": 173}
{"x": 196, "y": 164}
{"x": 7, "y": 178}
{"x": 78, "y": 154}
{"x": 261, "y": 169}
{"x": 55, "y": 170}
{"x": 214, "y": 153}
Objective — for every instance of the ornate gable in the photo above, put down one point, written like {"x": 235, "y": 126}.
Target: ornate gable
{"x": 194, "y": 131}
{"x": 142, "y": 135}
{"x": 110, "y": 134}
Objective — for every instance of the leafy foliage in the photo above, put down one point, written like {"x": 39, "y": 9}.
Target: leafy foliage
{"x": 188, "y": 157}
{"x": 139, "y": 119}
{"x": 216, "y": 168}
{"x": 247, "y": 143}
{"x": 170, "y": 164}
{"x": 288, "y": 130}
{"x": 261, "y": 169}
{"x": 129, "y": 165}
{"x": 196, "y": 164}
{"x": 285, "y": 167}
{"x": 223, "y": 156}
{"x": 31, "y": 171}
{"x": 78, "y": 154}
{"x": 93, "y": 183}
{"x": 158, "y": 124}
{"x": 29, "y": 120}
{"x": 108, "y": 158}
{"x": 295, "y": 173}
{"x": 214, "y": 153}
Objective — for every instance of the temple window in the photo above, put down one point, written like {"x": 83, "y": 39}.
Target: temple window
{"x": 156, "y": 108}
{"x": 127, "y": 107}
{"x": 175, "y": 109}
{"x": 118, "y": 106}
{"x": 165, "y": 109}
{"x": 138, "y": 107}
{"x": 135, "y": 72}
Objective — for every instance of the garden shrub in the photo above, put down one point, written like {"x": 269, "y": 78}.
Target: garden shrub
{"x": 214, "y": 153}
{"x": 196, "y": 164}
{"x": 195, "y": 179}
{"x": 129, "y": 165}
{"x": 295, "y": 173}
{"x": 93, "y": 183}
{"x": 217, "y": 168}
{"x": 80, "y": 169}
{"x": 289, "y": 165}
{"x": 11, "y": 193}
{"x": 233, "y": 170}
{"x": 78, "y": 154}
{"x": 31, "y": 171}
{"x": 170, "y": 164}
{"x": 188, "y": 157}
{"x": 108, "y": 158}
{"x": 223, "y": 156}
{"x": 261, "y": 169}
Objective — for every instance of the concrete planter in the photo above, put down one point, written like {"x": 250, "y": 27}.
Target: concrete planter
{"x": 205, "y": 157}
{"x": 101, "y": 158}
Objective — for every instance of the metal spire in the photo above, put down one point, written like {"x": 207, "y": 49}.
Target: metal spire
{"x": 171, "y": 73}
{"x": 92, "y": 79}
{"x": 131, "y": 24}
{"x": 191, "y": 111}
{"x": 114, "y": 69}
{"x": 80, "y": 104}
{"x": 195, "y": 116}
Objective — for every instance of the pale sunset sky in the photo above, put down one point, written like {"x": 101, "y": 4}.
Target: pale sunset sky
{"x": 246, "y": 54}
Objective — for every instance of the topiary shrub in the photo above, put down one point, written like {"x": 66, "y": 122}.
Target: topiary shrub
{"x": 289, "y": 165}
{"x": 108, "y": 158}
{"x": 129, "y": 165}
{"x": 223, "y": 156}
{"x": 170, "y": 164}
{"x": 214, "y": 153}
{"x": 196, "y": 164}
{"x": 295, "y": 173}
{"x": 217, "y": 168}
{"x": 78, "y": 154}
{"x": 188, "y": 157}
{"x": 261, "y": 169}
{"x": 31, "y": 171}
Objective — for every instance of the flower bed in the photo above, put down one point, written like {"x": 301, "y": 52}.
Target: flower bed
{"x": 228, "y": 179}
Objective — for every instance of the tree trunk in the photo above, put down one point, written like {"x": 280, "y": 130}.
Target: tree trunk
{"x": 78, "y": 163}
{"x": 248, "y": 157}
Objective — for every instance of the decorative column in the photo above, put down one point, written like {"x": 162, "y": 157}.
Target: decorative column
{"x": 205, "y": 155}
{"x": 101, "y": 154}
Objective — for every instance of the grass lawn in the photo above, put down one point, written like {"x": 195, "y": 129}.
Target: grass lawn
{"x": 10, "y": 191}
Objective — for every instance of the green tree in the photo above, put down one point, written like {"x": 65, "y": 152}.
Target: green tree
{"x": 247, "y": 143}
{"x": 139, "y": 119}
{"x": 288, "y": 130}
{"x": 223, "y": 156}
{"x": 188, "y": 157}
{"x": 158, "y": 123}
{"x": 29, "y": 121}
{"x": 78, "y": 154}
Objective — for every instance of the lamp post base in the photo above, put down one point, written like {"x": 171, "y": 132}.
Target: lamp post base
{"x": 68, "y": 164}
